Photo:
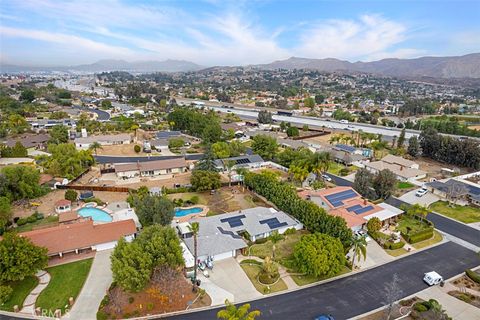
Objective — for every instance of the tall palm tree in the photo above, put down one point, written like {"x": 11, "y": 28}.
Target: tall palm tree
{"x": 275, "y": 237}
{"x": 229, "y": 164}
{"x": 231, "y": 312}
{"x": 194, "y": 227}
{"x": 94, "y": 146}
{"x": 359, "y": 245}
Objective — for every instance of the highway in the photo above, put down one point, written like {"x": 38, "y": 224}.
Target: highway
{"x": 247, "y": 112}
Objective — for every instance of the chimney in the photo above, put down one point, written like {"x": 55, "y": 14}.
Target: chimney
{"x": 364, "y": 202}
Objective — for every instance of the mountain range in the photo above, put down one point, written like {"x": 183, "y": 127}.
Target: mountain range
{"x": 467, "y": 66}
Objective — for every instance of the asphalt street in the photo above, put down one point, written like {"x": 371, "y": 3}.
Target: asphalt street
{"x": 456, "y": 229}
{"x": 361, "y": 292}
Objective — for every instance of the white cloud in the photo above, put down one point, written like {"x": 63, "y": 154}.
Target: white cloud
{"x": 351, "y": 39}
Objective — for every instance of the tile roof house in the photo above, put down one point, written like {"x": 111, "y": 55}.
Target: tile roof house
{"x": 74, "y": 237}
{"x": 345, "y": 202}
{"x": 404, "y": 170}
{"x": 151, "y": 168}
{"x": 220, "y": 236}
{"x": 36, "y": 141}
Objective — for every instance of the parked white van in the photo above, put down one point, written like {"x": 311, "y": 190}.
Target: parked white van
{"x": 432, "y": 278}
{"x": 343, "y": 121}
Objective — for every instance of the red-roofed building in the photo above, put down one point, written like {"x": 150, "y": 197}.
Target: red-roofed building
{"x": 63, "y": 205}
{"x": 345, "y": 202}
{"x": 81, "y": 236}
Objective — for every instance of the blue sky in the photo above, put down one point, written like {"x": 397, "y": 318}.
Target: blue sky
{"x": 216, "y": 32}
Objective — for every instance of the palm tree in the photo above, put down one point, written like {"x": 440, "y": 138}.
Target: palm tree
{"x": 275, "y": 237}
{"x": 298, "y": 173}
{"x": 231, "y": 312}
{"x": 194, "y": 227}
{"x": 229, "y": 164}
{"x": 359, "y": 245}
{"x": 94, "y": 146}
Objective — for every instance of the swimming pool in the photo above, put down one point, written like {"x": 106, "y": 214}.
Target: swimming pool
{"x": 96, "y": 214}
{"x": 179, "y": 212}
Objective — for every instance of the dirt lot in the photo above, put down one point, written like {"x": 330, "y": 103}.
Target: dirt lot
{"x": 433, "y": 168}
{"x": 126, "y": 150}
{"x": 476, "y": 127}
{"x": 46, "y": 203}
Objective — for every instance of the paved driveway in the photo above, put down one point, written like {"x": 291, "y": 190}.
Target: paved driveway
{"x": 94, "y": 289}
{"x": 426, "y": 200}
{"x": 228, "y": 275}
{"x": 375, "y": 256}
{"x": 361, "y": 292}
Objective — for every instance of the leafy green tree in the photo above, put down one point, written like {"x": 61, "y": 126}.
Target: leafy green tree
{"x": 265, "y": 117}
{"x": 374, "y": 225}
{"x": 363, "y": 183}
{"x": 17, "y": 151}
{"x": 359, "y": 246}
{"x": 319, "y": 98}
{"x": 64, "y": 94}
{"x": 401, "y": 139}
{"x": 5, "y": 211}
{"x": 236, "y": 148}
{"x": 71, "y": 195}
{"x": 231, "y": 312}
{"x": 17, "y": 123}
{"x": 417, "y": 210}
{"x": 384, "y": 183}
{"x": 106, "y": 104}
{"x": 175, "y": 143}
{"x": 207, "y": 163}
{"x": 163, "y": 245}
{"x": 154, "y": 210}
{"x": 413, "y": 146}
{"x": 275, "y": 237}
{"x": 309, "y": 102}
{"x": 265, "y": 146}
{"x": 293, "y": 132}
{"x": 20, "y": 182}
{"x": 203, "y": 180}
{"x": 94, "y": 146}
{"x": 66, "y": 160}
{"x": 5, "y": 293}
{"x": 58, "y": 134}
{"x": 319, "y": 255}
{"x": 131, "y": 265}
{"x": 27, "y": 95}
{"x": 221, "y": 150}
{"x": 212, "y": 133}
{"x": 20, "y": 258}
{"x": 137, "y": 148}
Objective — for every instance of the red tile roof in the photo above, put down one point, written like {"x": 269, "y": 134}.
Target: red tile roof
{"x": 63, "y": 203}
{"x": 68, "y": 237}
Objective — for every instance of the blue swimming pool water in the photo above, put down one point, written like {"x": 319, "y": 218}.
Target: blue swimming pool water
{"x": 179, "y": 212}
{"x": 96, "y": 214}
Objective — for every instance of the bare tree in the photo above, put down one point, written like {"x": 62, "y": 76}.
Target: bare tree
{"x": 393, "y": 293}
{"x": 456, "y": 191}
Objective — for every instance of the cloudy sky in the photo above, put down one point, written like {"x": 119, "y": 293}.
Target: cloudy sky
{"x": 223, "y": 32}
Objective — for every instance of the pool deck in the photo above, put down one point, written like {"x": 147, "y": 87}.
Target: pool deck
{"x": 191, "y": 216}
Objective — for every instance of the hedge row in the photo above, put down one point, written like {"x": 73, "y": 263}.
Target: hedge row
{"x": 393, "y": 245}
{"x": 473, "y": 275}
{"x": 419, "y": 236}
{"x": 285, "y": 197}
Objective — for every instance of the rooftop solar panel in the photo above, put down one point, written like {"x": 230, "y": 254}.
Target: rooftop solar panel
{"x": 363, "y": 210}
{"x": 277, "y": 225}
{"x": 235, "y": 221}
{"x": 273, "y": 223}
{"x": 353, "y": 208}
{"x": 230, "y": 233}
{"x": 337, "y": 198}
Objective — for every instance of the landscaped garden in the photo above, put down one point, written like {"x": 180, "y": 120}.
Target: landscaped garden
{"x": 66, "y": 281}
{"x": 20, "y": 290}
{"x": 465, "y": 214}
{"x": 340, "y": 169}
{"x": 253, "y": 269}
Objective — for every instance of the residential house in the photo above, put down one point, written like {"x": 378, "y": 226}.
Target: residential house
{"x": 81, "y": 236}
{"x": 104, "y": 140}
{"x": 223, "y": 236}
{"x": 31, "y": 141}
{"x": 404, "y": 170}
{"x": 459, "y": 191}
{"x": 151, "y": 168}
{"x": 249, "y": 161}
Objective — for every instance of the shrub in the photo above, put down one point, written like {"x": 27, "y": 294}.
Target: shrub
{"x": 131, "y": 299}
{"x": 5, "y": 293}
{"x": 39, "y": 215}
{"x": 252, "y": 261}
{"x": 71, "y": 195}
{"x": 419, "y": 236}
{"x": 393, "y": 246}
{"x": 96, "y": 200}
{"x": 22, "y": 221}
{"x": 32, "y": 218}
{"x": 102, "y": 315}
{"x": 137, "y": 148}
{"x": 105, "y": 301}
{"x": 195, "y": 200}
{"x": 464, "y": 297}
{"x": 261, "y": 241}
{"x": 374, "y": 225}
{"x": 150, "y": 306}
{"x": 473, "y": 275}
{"x": 419, "y": 307}
{"x": 290, "y": 231}
{"x": 344, "y": 172}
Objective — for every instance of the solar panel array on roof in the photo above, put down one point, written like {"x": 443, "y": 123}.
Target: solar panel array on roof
{"x": 242, "y": 161}
{"x": 337, "y": 198}
{"x": 353, "y": 208}
{"x": 273, "y": 223}
{"x": 235, "y": 221}
{"x": 363, "y": 210}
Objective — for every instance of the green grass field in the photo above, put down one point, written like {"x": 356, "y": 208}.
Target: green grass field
{"x": 252, "y": 272}
{"x": 66, "y": 281}
{"x": 404, "y": 185}
{"x": 48, "y": 221}
{"x": 283, "y": 248}
{"x": 465, "y": 214}
{"x": 21, "y": 289}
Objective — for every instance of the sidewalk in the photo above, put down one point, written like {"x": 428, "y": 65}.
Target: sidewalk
{"x": 29, "y": 303}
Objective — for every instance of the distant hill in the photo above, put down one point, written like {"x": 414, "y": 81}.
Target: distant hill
{"x": 113, "y": 65}
{"x": 467, "y": 66}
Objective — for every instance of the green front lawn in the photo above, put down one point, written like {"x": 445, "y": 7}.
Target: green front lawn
{"x": 404, "y": 185}
{"x": 66, "y": 281}
{"x": 412, "y": 223}
{"x": 252, "y": 271}
{"x": 302, "y": 280}
{"x": 465, "y": 214}
{"x": 21, "y": 289}
{"x": 284, "y": 248}
{"x": 48, "y": 221}
{"x": 202, "y": 197}
{"x": 335, "y": 168}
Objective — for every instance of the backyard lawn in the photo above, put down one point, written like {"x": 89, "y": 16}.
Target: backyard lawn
{"x": 66, "y": 281}
{"x": 252, "y": 270}
{"x": 410, "y": 225}
{"x": 404, "y": 185}
{"x": 21, "y": 289}
{"x": 465, "y": 214}
{"x": 48, "y": 221}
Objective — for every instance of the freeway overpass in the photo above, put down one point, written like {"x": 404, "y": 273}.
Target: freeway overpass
{"x": 247, "y": 112}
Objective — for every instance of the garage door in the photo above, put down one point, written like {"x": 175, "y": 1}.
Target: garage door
{"x": 106, "y": 246}
{"x": 224, "y": 255}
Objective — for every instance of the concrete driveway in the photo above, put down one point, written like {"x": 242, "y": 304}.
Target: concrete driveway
{"x": 94, "y": 289}
{"x": 375, "y": 256}
{"x": 426, "y": 200}
{"x": 229, "y": 276}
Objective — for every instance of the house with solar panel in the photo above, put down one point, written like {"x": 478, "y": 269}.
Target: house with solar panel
{"x": 460, "y": 191}
{"x": 249, "y": 161}
{"x": 345, "y": 202}
{"x": 224, "y": 236}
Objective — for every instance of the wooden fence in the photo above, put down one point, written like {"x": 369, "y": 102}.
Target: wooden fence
{"x": 96, "y": 188}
